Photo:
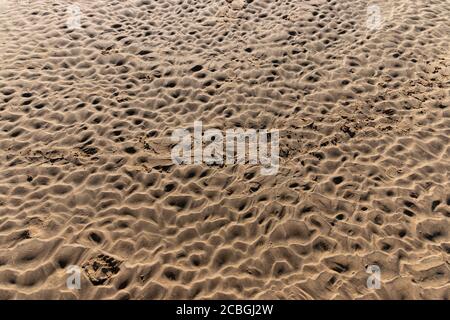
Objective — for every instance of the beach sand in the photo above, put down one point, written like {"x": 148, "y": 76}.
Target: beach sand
{"x": 87, "y": 110}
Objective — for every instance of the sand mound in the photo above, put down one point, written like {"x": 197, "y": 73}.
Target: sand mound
{"x": 86, "y": 177}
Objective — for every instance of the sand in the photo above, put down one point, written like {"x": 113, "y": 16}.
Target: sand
{"x": 86, "y": 177}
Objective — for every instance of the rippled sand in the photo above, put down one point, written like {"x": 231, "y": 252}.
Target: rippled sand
{"x": 86, "y": 177}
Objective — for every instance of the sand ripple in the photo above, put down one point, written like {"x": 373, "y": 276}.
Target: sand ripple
{"x": 86, "y": 177}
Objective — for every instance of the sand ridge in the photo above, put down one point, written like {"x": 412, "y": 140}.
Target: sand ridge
{"x": 86, "y": 177}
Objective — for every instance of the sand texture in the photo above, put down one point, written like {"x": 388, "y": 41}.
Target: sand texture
{"x": 86, "y": 176}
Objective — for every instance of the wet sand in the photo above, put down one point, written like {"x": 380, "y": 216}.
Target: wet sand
{"x": 86, "y": 178}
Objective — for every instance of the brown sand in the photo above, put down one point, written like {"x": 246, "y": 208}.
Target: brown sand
{"x": 86, "y": 177}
